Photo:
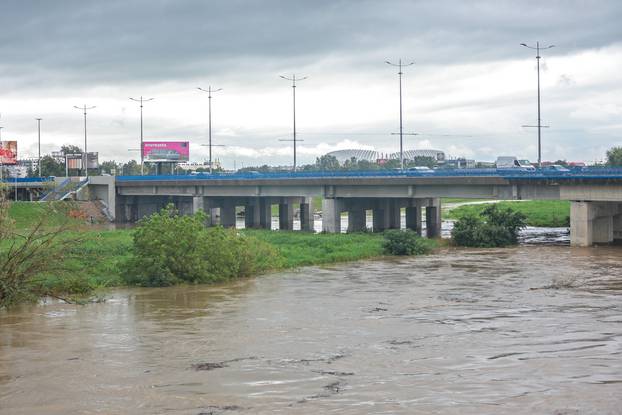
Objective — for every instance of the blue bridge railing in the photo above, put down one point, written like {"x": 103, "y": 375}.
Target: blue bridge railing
{"x": 522, "y": 174}
{"x": 26, "y": 179}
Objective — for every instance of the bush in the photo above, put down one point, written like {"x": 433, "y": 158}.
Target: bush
{"x": 169, "y": 249}
{"x": 46, "y": 248}
{"x": 494, "y": 227}
{"x": 407, "y": 242}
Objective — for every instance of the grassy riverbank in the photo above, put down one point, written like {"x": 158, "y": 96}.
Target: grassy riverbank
{"x": 97, "y": 262}
{"x": 543, "y": 213}
{"x": 102, "y": 254}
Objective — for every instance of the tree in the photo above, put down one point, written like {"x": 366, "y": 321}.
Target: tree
{"x": 422, "y": 161}
{"x": 70, "y": 149}
{"x": 131, "y": 168}
{"x": 108, "y": 166}
{"x": 614, "y": 157}
{"x": 493, "y": 228}
{"x": 327, "y": 162}
{"x": 51, "y": 167}
{"x": 169, "y": 248}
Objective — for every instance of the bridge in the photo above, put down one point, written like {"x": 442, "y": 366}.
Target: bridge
{"x": 595, "y": 195}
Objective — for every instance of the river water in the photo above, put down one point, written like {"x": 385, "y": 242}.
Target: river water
{"x": 535, "y": 329}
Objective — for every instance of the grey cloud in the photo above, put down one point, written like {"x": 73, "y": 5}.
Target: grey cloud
{"x": 111, "y": 42}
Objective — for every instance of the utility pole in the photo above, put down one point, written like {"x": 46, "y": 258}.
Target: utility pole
{"x": 39, "y": 131}
{"x": 295, "y": 140}
{"x": 209, "y": 91}
{"x": 537, "y": 48}
{"x": 85, "y": 156}
{"x": 400, "y": 73}
{"x": 141, "y": 100}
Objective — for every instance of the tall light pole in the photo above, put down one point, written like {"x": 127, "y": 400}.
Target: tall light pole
{"x": 295, "y": 140}
{"x": 39, "y": 133}
{"x": 85, "y": 158}
{"x": 209, "y": 91}
{"x": 400, "y": 73}
{"x": 537, "y": 48}
{"x": 141, "y": 100}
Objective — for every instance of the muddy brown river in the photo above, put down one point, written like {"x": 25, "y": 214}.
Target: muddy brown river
{"x": 527, "y": 330}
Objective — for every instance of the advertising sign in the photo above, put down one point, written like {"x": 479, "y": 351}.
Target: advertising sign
{"x": 166, "y": 151}
{"x": 8, "y": 152}
{"x": 74, "y": 161}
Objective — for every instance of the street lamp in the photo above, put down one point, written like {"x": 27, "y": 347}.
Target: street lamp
{"x": 295, "y": 140}
{"x": 141, "y": 100}
{"x": 209, "y": 91}
{"x": 400, "y": 73}
{"x": 85, "y": 155}
{"x": 537, "y": 48}
{"x": 39, "y": 131}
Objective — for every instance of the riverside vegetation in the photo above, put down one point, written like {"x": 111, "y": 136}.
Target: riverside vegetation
{"x": 541, "y": 213}
{"x": 71, "y": 260}
{"x": 493, "y": 227}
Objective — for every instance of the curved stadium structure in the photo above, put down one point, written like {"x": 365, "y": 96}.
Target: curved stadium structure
{"x": 373, "y": 156}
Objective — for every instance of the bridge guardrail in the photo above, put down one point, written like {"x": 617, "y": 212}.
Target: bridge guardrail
{"x": 517, "y": 174}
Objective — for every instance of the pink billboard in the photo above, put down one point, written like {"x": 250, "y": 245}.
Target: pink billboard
{"x": 8, "y": 152}
{"x": 166, "y": 151}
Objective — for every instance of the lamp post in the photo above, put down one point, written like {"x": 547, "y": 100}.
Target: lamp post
{"x": 85, "y": 155}
{"x": 295, "y": 140}
{"x": 39, "y": 133}
{"x": 400, "y": 73}
{"x": 141, "y": 100}
{"x": 537, "y": 48}
{"x": 209, "y": 91}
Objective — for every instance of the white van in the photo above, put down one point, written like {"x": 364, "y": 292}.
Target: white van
{"x": 511, "y": 162}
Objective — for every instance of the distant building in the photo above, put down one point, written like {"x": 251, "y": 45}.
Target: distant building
{"x": 373, "y": 156}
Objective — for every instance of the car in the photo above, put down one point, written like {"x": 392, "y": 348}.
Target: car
{"x": 421, "y": 169}
{"x": 556, "y": 168}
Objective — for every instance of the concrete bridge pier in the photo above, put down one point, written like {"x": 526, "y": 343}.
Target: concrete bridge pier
{"x": 252, "y": 213}
{"x": 595, "y": 223}
{"x": 386, "y": 215}
{"x": 286, "y": 215}
{"x": 306, "y": 214}
{"x": 413, "y": 219}
{"x": 227, "y": 213}
{"x": 433, "y": 218}
{"x": 331, "y": 215}
{"x": 357, "y": 217}
{"x": 265, "y": 213}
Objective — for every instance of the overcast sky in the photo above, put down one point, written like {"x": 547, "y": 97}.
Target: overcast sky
{"x": 471, "y": 89}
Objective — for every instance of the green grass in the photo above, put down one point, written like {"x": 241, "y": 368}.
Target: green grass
{"x": 102, "y": 252}
{"x": 543, "y": 213}
{"x": 26, "y": 214}
{"x": 302, "y": 248}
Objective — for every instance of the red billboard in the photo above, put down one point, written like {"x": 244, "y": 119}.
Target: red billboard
{"x": 8, "y": 152}
{"x": 166, "y": 151}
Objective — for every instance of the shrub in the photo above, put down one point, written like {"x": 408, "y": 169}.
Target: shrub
{"x": 494, "y": 227}
{"x": 407, "y": 242}
{"x": 170, "y": 248}
{"x": 29, "y": 254}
